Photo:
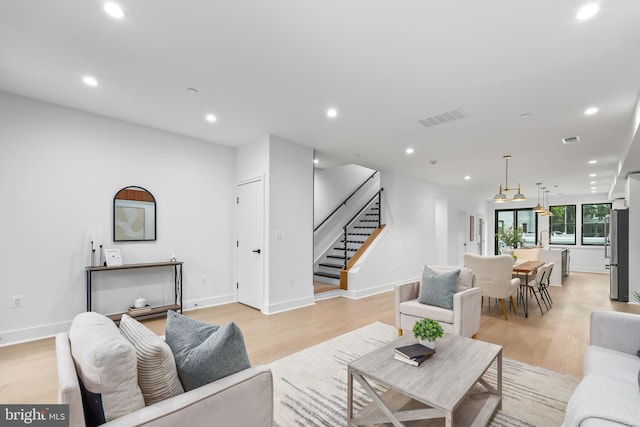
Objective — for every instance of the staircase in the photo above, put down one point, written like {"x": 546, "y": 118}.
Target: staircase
{"x": 348, "y": 244}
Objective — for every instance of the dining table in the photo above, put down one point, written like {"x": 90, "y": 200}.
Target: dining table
{"x": 526, "y": 268}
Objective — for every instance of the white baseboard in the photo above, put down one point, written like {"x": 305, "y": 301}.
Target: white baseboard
{"x": 363, "y": 293}
{"x": 288, "y": 305}
{"x": 208, "y": 302}
{"x": 33, "y": 333}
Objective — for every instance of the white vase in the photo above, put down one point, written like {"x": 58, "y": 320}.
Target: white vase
{"x": 428, "y": 344}
{"x": 507, "y": 250}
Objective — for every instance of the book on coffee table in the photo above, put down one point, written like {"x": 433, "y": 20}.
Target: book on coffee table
{"x": 414, "y": 350}
{"x": 415, "y": 361}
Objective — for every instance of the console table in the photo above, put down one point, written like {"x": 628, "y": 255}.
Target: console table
{"x": 155, "y": 311}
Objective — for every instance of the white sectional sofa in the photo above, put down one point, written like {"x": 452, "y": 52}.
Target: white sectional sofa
{"x": 609, "y": 393}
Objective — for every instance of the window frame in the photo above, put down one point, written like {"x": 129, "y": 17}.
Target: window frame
{"x": 575, "y": 226}
{"x": 582, "y": 223}
{"x": 515, "y": 211}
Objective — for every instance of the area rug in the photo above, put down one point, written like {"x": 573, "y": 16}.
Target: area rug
{"x": 310, "y": 387}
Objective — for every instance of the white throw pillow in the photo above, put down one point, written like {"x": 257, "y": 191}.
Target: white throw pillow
{"x": 107, "y": 368}
{"x": 157, "y": 373}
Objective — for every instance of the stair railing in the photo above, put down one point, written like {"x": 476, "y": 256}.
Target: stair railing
{"x": 344, "y": 202}
{"x": 378, "y": 196}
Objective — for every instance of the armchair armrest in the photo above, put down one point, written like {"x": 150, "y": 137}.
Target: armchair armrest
{"x": 616, "y": 331}
{"x": 466, "y": 311}
{"x": 405, "y": 292}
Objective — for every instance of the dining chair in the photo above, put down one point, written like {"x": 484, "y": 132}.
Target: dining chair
{"x": 535, "y": 287}
{"x": 493, "y": 276}
{"x": 547, "y": 281}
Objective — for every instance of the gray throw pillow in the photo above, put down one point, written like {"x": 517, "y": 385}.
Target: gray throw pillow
{"x": 438, "y": 289}
{"x": 204, "y": 353}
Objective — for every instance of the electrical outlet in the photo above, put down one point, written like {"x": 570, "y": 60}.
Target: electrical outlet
{"x": 203, "y": 280}
{"x": 17, "y": 301}
{"x": 291, "y": 281}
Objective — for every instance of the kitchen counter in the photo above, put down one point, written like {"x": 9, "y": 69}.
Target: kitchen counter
{"x": 559, "y": 256}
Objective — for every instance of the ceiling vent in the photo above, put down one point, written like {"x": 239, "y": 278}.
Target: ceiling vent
{"x": 446, "y": 117}
{"x": 570, "y": 139}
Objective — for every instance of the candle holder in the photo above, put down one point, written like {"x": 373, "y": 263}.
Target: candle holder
{"x": 93, "y": 254}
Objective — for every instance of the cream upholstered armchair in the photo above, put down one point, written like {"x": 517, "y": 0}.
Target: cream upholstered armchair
{"x": 462, "y": 319}
{"x": 494, "y": 277}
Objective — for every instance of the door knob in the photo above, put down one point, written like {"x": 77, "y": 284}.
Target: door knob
{"x": 256, "y": 251}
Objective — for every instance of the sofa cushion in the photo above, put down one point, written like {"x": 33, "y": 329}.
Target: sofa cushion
{"x": 438, "y": 288}
{"x": 157, "y": 373}
{"x": 601, "y": 399}
{"x": 417, "y": 309}
{"x": 107, "y": 368}
{"x": 204, "y": 353}
{"x": 611, "y": 363}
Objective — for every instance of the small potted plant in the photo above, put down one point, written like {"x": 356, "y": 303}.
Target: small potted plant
{"x": 427, "y": 331}
{"x": 511, "y": 237}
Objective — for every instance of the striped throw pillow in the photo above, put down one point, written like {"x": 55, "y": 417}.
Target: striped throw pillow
{"x": 157, "y": 373}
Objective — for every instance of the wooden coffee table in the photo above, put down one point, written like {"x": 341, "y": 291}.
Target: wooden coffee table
{"x": 448, "y": 385}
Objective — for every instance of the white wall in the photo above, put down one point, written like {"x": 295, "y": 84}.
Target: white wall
{"x": 332, "y": 186}
{"x": 59, "y": 171}
{"x": 290, "y": 225}
{"x": 583, "y": 258}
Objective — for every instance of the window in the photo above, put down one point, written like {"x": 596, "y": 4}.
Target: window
{"x": 562, "y": 225}
{"x": 593, "y": 223}
{"x": 525, "y": 219}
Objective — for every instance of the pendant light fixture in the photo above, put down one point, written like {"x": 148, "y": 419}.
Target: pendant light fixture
{"x": 539, "y": 208}
{"x": 501, "y": 197}
{"x": 549, "y": 213}
{"x": 544, "y": 211}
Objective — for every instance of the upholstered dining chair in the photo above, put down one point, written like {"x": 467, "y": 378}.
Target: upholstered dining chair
{"x": 494, "y": 276}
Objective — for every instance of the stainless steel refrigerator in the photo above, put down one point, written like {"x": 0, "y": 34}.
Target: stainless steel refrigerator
{"x": 616, "y": 250}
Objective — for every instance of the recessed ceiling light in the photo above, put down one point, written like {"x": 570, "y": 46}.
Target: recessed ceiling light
{"x": 593, "y": 182}
{"x": 525, "y": 115}
{"x": 211, "y": 118}
{"x": 590, "y": 111}
{"x": 114, "y": 10}
{"x": 593, "y": 162}
{"x": 315, "y": 161}
{"x": 434, "y": 162}
{"x": 409, "y": 150}
{"x": 587, "y": 11}
{"x": 90, "y": 81}
{"x": 593, "y": 188}
{"x": 332, "y": 112}
{"x": 467, "y": 177}
{"x": 593, "y": 175}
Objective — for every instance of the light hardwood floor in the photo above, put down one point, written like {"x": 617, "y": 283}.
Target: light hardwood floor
{"x": 555, "y": 341}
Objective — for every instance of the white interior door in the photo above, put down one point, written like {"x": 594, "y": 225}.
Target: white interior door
{"x": 250, "y": 245}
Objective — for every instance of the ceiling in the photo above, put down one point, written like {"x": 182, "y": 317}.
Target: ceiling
{"x": 275, "y": 67}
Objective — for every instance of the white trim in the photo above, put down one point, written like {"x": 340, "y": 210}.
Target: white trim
{"x": 208, "y": 302}
{"x": 34, "y": 333}
{"x": 288, "y": 305}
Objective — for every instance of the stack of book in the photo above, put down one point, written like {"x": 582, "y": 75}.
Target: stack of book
{"x": 413, "y": 354}
{"x": 139, "y": 310}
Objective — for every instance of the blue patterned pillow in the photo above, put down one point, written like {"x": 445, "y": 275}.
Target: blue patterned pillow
{"x": 438, "y": 289}
{"x": 204, "y": 353}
